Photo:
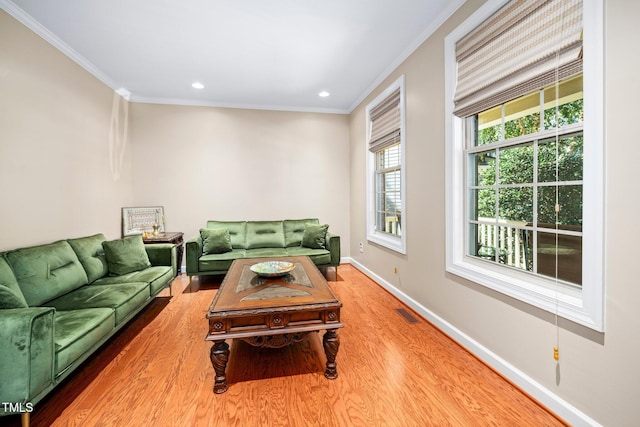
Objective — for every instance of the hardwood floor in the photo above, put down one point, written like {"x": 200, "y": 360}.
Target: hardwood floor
{"x": 156, "y": 372}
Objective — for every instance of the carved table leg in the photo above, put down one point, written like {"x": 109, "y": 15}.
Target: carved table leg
{"x": 219, "y": 358}
{"x": 331, "y": 342}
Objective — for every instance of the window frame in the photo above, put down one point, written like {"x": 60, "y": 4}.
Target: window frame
{"x": 381, "y": 176}
{"x": 390, "y": 241}
{"x": 586, "y": 305}
{"x": 533, "y": 225}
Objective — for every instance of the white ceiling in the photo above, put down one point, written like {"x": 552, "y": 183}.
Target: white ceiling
{"x": 266, "y": 54}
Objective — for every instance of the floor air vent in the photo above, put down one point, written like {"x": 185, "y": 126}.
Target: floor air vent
{"x": 406, "y": 315}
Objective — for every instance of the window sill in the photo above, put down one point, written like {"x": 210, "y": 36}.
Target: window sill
{"x": 564, "y": 300}
{"x": 394, "y": 243}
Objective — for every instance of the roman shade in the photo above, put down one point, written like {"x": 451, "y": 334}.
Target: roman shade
{"x": 523, "y": 47}
{"x": 385, "y": 123}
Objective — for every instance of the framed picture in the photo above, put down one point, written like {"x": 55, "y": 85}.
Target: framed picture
{"x": 138, "y": 220}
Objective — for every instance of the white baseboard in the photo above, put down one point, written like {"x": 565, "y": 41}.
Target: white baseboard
{"x": 543, "y": 395}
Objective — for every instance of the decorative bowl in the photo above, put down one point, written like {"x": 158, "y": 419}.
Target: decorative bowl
{"x": 272, "y": 268}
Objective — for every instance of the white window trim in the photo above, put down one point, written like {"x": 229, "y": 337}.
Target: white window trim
{"x": 396, "y": 243}
{"x": 585, "y": 306}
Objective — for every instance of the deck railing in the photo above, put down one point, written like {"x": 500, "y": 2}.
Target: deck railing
{"x": 509, "y": 243}
{"x": 559, "y": 253}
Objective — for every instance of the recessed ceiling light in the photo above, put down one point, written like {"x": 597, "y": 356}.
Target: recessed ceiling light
{"x": 324, "y": 94}
{"x": 197, "y": 85}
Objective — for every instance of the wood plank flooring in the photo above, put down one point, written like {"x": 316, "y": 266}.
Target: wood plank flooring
{"x": 156, "y": 372}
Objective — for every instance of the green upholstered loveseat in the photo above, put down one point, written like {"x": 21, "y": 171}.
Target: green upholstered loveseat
{"x": 258, "y": 239}
{"x": 59, "y": 302}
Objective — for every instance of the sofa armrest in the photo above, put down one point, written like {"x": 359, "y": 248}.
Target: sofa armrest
{"x": 193, "y": 254}
{"x": 163, "y": 254}
{"x": 27, "y": 354}
{"x": 333, "y": 246}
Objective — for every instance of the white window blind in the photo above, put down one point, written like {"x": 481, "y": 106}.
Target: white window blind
{"x": 523, "y": 47}
{"x": 385, "y": 145}
{"x": 385, "y": 123}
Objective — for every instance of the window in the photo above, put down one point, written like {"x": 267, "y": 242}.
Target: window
{"x": 520, "y": 169}
{"x": 525, "y": 154}
{"x": 388, "y": 194}
{"x": 385, "y": 168}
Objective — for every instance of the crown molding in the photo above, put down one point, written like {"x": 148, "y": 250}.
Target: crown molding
{"x": 453, "y": 7}
{"x": 35, "y": 26}
{"x": 205, "y": 103}
{"x": 26, "y": 20}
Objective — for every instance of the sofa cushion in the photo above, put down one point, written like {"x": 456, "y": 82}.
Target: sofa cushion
{"x": 314, "y": 236}
{"x": 91, "y": 255}
{"x": 77, "y": 331}
{"x": 157, "y": 277}
{"x": 47, "y": 271}
{"x": 9, "y": 298}
{"x": 215, "y": 240}
{"x": 266, "y": 253}
{"x": 294, "y": 229}
{"x": 124, "y": 298}
{"x": 126, "y": 255}
{"x": 218, "y": 262}
{"x": 318, "y": 256}
{"x": 237, "y": 232}
{"x": 8, "y": 280}
{"x": 265, "y": 234}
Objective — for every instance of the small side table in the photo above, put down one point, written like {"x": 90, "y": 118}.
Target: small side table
{"x": 170, "y": 237}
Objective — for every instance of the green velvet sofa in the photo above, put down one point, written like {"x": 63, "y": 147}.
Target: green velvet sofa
{"x": 258, "y": 239}
{"x": 59, "y": 302}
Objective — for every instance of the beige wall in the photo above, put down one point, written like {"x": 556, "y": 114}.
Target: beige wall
{"x": 68, "y": 164}
{"x": 598, "y": 373}
{"x": 205, "y": 163}
{"x": 56, "y": 175}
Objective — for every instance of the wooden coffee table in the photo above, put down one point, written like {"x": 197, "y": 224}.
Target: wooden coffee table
{"x": 272, "y": 312}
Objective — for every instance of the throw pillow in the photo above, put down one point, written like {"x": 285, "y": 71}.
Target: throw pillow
{"x": 125, "y": 255}
{"x": 314, "y": 236}
{"x": 91, "y": 255}
{"x": 215, "y": 240}
{"x": 9, "y": 299}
